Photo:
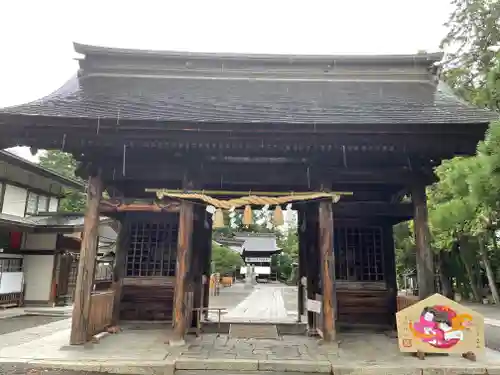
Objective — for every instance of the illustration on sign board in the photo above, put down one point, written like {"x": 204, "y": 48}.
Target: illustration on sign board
{"x": 440, "y": 326}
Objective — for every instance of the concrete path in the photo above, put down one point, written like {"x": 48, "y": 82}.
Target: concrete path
{"x": 265, "y": 303}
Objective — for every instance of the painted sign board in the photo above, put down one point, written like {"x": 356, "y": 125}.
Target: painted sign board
{"x": 257, "y": 260}
{"x": 314, "y": 306}
{"x": 440, "y": 325}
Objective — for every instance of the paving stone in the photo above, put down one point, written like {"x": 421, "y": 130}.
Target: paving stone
{"x": 94, "y": 366}
{"x": 459, "y": 370}
{"x": 295, "y": 366}
{"x": 217, "y": 364}
{"x": 133, "y": 368}
{"x": 362, "y": 369}
{"x": 493, "y": 370}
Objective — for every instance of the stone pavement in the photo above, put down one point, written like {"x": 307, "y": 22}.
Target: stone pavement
{"x": 144, "y": 351}
{"x": 263, "y": 303}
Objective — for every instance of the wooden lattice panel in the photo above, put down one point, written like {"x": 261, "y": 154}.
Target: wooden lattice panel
{"x": 359, "y": 254}
{"x": 152, "y": 245}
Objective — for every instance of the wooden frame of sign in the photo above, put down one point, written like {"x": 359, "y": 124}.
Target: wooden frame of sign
{"x": 440, "y": 325}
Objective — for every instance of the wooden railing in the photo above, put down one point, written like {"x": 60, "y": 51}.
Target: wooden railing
{"x": 405, "y": 301}
{"x": 101, "y": 312}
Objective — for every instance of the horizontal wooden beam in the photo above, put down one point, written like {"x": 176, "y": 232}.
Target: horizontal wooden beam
{"x": 402, "y": 211}
{"x": 307, "y": 177}
{"x": 117, "y": 205}
{"x": 83, "y": 138}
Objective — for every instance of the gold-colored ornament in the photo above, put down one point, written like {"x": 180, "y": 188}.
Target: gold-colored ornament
{"x": 218, "y": 219}
{"x": 278, "y": 216}
{"x": 247, "y": 215}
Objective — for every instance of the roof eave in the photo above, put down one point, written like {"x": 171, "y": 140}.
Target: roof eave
{"x": 44, "y": 172}
{"x": 410, "y": 59}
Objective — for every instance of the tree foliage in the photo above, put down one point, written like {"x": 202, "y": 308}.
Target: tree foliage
{"x": 224, "y": 260}
{"x": 464, "y": 205}
{"x": 64, "y": 164}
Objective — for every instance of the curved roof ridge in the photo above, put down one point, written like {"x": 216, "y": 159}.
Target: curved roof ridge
{"x": 67, "y": 88}
{"x": 418, "y": 58}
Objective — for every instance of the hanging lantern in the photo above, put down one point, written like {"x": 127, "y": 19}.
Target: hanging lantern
{"x": 218, "y": 219}
{"x": 247, "y": 216}
{"x": 278, "y": 216}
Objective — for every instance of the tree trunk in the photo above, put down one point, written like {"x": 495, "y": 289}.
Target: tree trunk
{"x": 462, "y": 247}
{"x": 444, "y": 275}
{"x": 489, "y": 272}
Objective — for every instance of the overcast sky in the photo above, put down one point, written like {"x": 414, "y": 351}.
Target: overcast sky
{"x": 36, "y": 36}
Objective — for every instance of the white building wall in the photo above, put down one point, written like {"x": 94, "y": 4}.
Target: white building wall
{"x": 40, "y": 241}
{"x": 38, "y": 277}
{"x": 14, "y": 202}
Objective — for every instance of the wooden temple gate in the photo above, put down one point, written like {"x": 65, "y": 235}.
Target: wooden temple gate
{"x": 369, "y": 125}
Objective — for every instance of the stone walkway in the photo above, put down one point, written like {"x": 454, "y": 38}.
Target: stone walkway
{"x": 145, "y": 352}
{"x": 264, "y": 303}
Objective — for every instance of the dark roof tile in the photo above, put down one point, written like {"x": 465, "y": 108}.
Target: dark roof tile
{"x": 251, "y": 100}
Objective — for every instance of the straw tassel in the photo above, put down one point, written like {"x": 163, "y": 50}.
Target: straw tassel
{"x": 247, "y": 216}
{"x": 218, "y": 219}
{"x": 278, "y": 216}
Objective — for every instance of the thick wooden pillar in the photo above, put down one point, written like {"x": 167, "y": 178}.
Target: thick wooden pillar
{"x": 301, "y": 272}
{"x": 86, "y": 265}
{"x": 390, "y": 270}
{"x": 197, "y": 260}
{"x": 327, "y": 270}
{"x": 312, "y": 256}
{"x": 182, "y": 269}
{"x": 207, "y": 262}
{"x": 425, "y": 261}
{"x": 121, "y": 249}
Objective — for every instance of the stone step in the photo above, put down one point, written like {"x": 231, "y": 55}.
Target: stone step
{"x": 253, "y": 331}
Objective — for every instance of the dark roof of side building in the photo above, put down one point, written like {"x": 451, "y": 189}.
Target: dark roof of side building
{"x": 13, "y": 159}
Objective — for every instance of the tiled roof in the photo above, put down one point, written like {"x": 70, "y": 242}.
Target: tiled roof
{"x": 231, "y": 88}
{"x": 258, "y": 242}
{"x": 250, "y": 100}
{"x": 62, "y": 222}
{"x": 10, "y": 158}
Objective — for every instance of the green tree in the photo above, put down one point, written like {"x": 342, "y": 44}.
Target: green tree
{"x": 472, "y": 64}
{"x": 225, "y": 261}
{"x": 65, "y": 165}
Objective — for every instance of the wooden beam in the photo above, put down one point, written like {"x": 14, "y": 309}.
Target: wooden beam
{"x": 301, "y": 266}
{"x": 252, "y": 174}
{"x": 311, "y": 262}
{"x": 116, "y": 205}
{"x": 403, "y": 211}
{"x": 86, "y": 265}
{"x": 327, "y": 262}
{"x": 182, "y": 269}
{"x": 425, "y": 261}
{"x": 390, "y": 270}
{"x": 207, "y": 263}
{"x": 119, "y": 269}
{"x": 197, "y": 260}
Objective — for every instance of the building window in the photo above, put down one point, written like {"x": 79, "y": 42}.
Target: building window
{"x": 152, "y": 245}
{"x": 11, "y": 265}
{"x": 36, "y": 204}
{"x": 32, "y": 204}
{"x": 43, "y": 204}
{"x": 359, "y": 254}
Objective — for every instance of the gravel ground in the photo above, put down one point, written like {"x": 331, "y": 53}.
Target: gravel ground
{"x": 17, "y": 323}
